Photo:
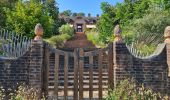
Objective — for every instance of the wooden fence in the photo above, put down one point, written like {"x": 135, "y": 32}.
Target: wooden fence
{"x": 78, "y": 74}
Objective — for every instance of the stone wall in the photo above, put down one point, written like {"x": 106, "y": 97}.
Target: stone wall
{"x": 14, "y": 71}
{"x": 152, "y": 71}
{"x": 24, "y": 70}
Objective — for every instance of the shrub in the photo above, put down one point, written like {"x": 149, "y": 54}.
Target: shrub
{"x": 23, "y": 92}
{"x": 66, "y": 29}
{"x": 23, "y": 18}
{"x": 58, "y": 40}
{"x": 128, "y": 90}
{"x": 147, "y": 32}
{"x": 66, "y": 32}
{"x": 93, "y": 36}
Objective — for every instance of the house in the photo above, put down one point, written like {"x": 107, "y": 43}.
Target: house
{"x": 81, "y": 23}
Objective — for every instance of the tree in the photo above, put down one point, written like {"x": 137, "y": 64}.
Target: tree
{"x": 67, "y": 13}
{"x": 53, "y": 12}
{"x": 122, "y": 14}
{"x": 74, "y": 14}
{"x": 23, "y": 18}
{"x": 3, "y": 5}
{"x": 107, "y": 21}
{"x": 81, "y": 14}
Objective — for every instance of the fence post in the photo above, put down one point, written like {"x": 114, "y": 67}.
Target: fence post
{"x": 122, "y": 59}
{"x": 167, "y": 41}
{"x": 36, "y": 62}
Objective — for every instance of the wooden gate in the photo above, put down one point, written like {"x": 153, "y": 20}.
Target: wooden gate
{"x": 78, "y": 74}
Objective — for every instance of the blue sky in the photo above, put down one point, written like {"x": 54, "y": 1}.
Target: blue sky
{"x": 86, "y": 6}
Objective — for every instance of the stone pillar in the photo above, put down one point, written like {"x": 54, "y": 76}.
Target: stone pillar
{"x": 121, "y": 57}
{"x": 117, "y": 34}
{"x": 167, "y": 41}
{"x": 36, "y": 61}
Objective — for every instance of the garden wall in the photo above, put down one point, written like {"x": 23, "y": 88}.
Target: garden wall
{"x": 30, "y": 68}
{"x": 23, "y": 70}
{"x": 152, "y": 72}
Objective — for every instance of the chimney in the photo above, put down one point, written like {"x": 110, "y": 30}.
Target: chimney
{"x": 97, "y": 15}
{"x": 89, "y": 15}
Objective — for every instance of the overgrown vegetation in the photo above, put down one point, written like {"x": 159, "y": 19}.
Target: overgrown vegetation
{"x": 128, "y": 90}
{"x": 21, "y": 16}
{"x": 137, "y": 18}
{"x": 66, "y": 33}
{"x": 93, "y": 36}
{"x": 22, "y": 93}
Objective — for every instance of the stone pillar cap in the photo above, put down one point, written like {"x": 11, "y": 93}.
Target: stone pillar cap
{"x": 38, "y": 32}
{"x": 117, "y": 34}
{"x": 167, "y": 34}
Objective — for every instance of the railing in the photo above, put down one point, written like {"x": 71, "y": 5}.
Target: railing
{"x": 13, "y": 45}
{"x": 141, "y": 55}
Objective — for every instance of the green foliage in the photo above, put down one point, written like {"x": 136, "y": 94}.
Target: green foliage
{"x": 22, "y": 93}
{"x": 81, "y": 14}
{"x": 74, "y": 14}
{"x": 67, "y": 13}
{"x": 121, "y": 14}
{"x": 70, "y": 13}
{"x": 142, "y": 22}
{"x": 93, "y": 36}
{"x": 53, "y": 11}
{"x": 25, "y": 16}
{"x": 128, "y": 90}
{"x": 147, "y": 32}
{"x": 66, "y": 33}
{"x": 58, "y": 40}
{"x": 3, "y": 5}
{"x": 66, "y": 29}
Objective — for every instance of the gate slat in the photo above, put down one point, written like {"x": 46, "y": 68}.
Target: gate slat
{"x": 75, "y": 97}
{"x": 81, "y": 69}
{"x": 100, "y": 59}
{"x": 91, "y": 78}
{"x": 65, "y": 76}
{"x": 46, "y": 70}
{"x": 56, "y": 74}
{"x": 110, "y": 62}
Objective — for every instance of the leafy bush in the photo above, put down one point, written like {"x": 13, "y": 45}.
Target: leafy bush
{"x": 23, "y": 18}
{"x": 142, "y": 22}
{"x": 147, "y": 32}
{"x": 93, "y": 36}
{"x": 58, "y": 40}
{"x": 66, "y": 32}
{"x": 22, "y": 93}
{"x": 66, "y": 29}
{"x": 128, "y": 90}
